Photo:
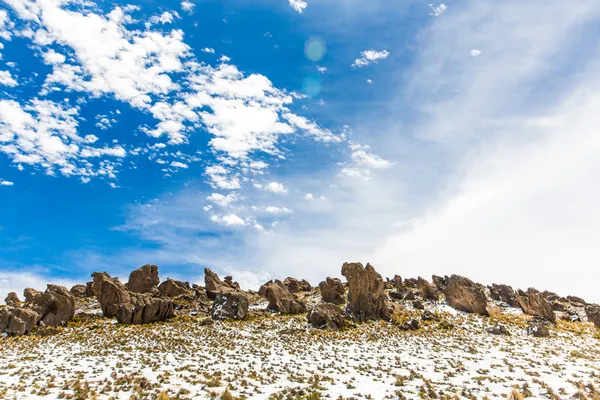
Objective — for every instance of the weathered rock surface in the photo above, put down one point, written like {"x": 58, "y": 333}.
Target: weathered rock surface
{"x": 12, "y": 299}
{"x": 29, "y": 294}
{"x": 281, "y": 299}
{"x": 533, "y": 303}
{"x": 17, "y": 321}
{"x": 538, "y": 329}
{"x": 326, "y": 316}
{"x": 144, "y": 279}
{"x": 366, "y": 293}
{"x": 465, "y": 295}
{"x": 427, "y": 290}
{"x": 56, "y": 306}
{"x": 593, "y": 313}
{"x": 174, "y": 288}
{"x": 129, "y": 307}
{"x": 233, "y": 305}
{"x": 499, "y": 329}
{"x": 79, "y": 291}
{"x": 89, "y": 289}
{"x": 296, "y": 286}
{"x": 332, "y": 291}
{"x": 576, "y": 301}
{"x": 214, "y": 286}
{"x": 505, "y": 294}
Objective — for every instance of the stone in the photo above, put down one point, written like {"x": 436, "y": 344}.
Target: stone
{"x": 29, "y": 294}
{"x": 326, "y": 316}
{"x": 411, "y": 325}
{"x": 282, "y": 300}
{"x": 233, "y": 305}
{"x": 214, "y": 286}
{"x": 439, "y": 282}
{"x": 576, "y": 301}
{"x": 144, "y": 279}
{"x": 12, "y": 299}
{"x": 538, "y": 329}
{"x": 17, "y": 321}
{"x": 332, "y": 291}
{"x": 79, "y": 291}
{"x": 418, "y": 305}
{"x": 56, "y": 306}
{"x": 593, "y": 313}
{"x": 398, "y": 285}
{"x": 89, "y": 289}
{"x": 465, "y": 295}
{"x": 499, "y": 329}
{"x": 366, "y": 293}
{"x": 533, "y": 303}
{"x": 505, "y": 294}
{"x": 296, "y": 286}
{"x": 207, "y": 322}
{"x": 228, "y": 280}
{"x": 174, "y": 288}
{"x": 427, "y": 290}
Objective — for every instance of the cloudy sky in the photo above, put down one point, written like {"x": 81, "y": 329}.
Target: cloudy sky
{"x": 269, "y": 138}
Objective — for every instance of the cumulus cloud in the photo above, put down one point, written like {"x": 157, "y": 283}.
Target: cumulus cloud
{"x": 188, "y": 6}
{"x": 7, "y": 79}
{"x": 475, "y": 52}
{"x": 5, "y": 182}
{"x": 298, "y": 5}
{"x": 275, "y": 187}
{"x": 369, "y": 57}
{"x": 436, "y": 11}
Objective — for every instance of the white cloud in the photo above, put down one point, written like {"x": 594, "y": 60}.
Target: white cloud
{"x": 275, "y": 187}
{"x": 309, "y": 196}
{"x": 165, "y": 18}
{"x": 369, "y": 81}
{"x": 277, "y": 210}
{"x": 222, "y": 200}
{"x": 228, "y": 220}
{"x": 321, "y": 69}
{"x": 475, "y": 52}
{"x": 6, "y": 183}
{"x": 298, "y": 5}
{"x": 6, "y": 79}
{"x": 188, "y": 6}
{"x": 369, "y": 57}
{"x": 436, "y": 11}
{"x": 52, "y": 57}
{"x": 177, "y": 164}
{"x": 208, "y": 50}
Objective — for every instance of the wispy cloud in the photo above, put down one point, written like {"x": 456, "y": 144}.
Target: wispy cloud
{"x": 369, "y": 57}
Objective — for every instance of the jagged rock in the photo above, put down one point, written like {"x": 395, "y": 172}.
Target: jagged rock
{"x": 418, "y": 305}
{"x": 233, "y": 305}
{"x": 439, "y": 282}
{"x": 79, "y": 290}
{"x": 29, "y": 294}
{"x": 499, "y": 329}
{"x": 144, "y": 279}
{"x": 56, "y": 306}
{"x": 282, "y": 300}
{"x": 326, "y": 316}
{"x": 398, "y": 285}
{"x": 228, "y": 280}
{"x": 396, "y": 295}
{"x": 576, "y": 301}
{"x": 465, "y": 295}
{"x": 410, "y": 296}
{"x": 174, "y": 288}
{"x": 366, "y": 292}
{"x": 18, "y": 321}
{"x": 89, "y": 289}
{"x": 550, "y": 296}
{"x": 558, "y": 306}
{"x": 129, "y": 307}
{"x": 427, "y": 290}
{"x": 214, "y": 286}
{"x": 12, "y": 299}
{"x": 207, "y": 322}
{"x": 505, "y": 294}
{"x": 538, "y": 329}
{"x": 296, "y": 286}
{"x": 411, "y": 283}
{"x": 533, "y": 303}
{"x": 593, "y": 313}
{"x": 332, "y": 291}
{"x": 411, "y": 325}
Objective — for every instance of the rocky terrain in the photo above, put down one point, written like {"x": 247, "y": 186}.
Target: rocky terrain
{"x": 363, "y": 337}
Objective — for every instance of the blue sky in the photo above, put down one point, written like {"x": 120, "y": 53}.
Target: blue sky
{"x": 272, "y": 138}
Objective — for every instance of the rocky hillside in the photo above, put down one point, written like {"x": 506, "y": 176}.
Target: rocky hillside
{"x": 363, "y": 337}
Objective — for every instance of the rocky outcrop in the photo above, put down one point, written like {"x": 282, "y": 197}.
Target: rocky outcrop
{"x": 538, "y": 329}
{"x": 56, "y": 306}
{"x": 439, "y": 282}
{"x": 465, "y": 295}
{"x": 533, "y": 303}
{"x": 214, "y": 286}
{"x": 89, "y": 289}
{"x": 233, "y": 305}
{"x": 17, "y": 321}
{"x": 174, "y": 288}
{"x": 296, "y": 286}
{"x": 326, "y": 316}
{"x": 427, "y": 290}
{"x": 366, "y": 293}
{"x": 144, "y": 279}
{"x": 12, "y": 299}
{"x": 129, "y": 307}
{"x": 576, "y": 301}
{"x": 79, "y": 291}
{"x": 228, "y": 280}
{"x": 332, "y": 291}
{"x": 505, "y": 294}
{"x": 29, "y": 294}
{"x": 593, "y": 313}
{"x": 281, "y": 299}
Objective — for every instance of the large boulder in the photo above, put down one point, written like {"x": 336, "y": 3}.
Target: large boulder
{"x": 593, "y": 313}
{"x": 29, "y": 294}
{"x": 538, "y": 329}
{"x": 214, "y": 286}
{"x": 296, "y": 286}
{"x": 465, "y": 295}
{"x": 427, "y": 290}
{"x": 89, "y": 289}
{"x": 576, "y": 301}
{"x": 533, "y": 303}
{"x": 233, "y": 305}
{"x": 144, "y": 279}
{"x": 174, "y": 288}
{"x": 505, "y": 294}
{"x": 17, "y": 321}
{"x": 281, "y": 299}
{"x": 56, "y": 306}
{"x": 326, "y": 316}
{"x": 12, "y": 299}
{"x": 332, "y": 291}
{"x": 366, "y": 292}
{"x": 79, "y": 291}
{"x": 129, "y": 307}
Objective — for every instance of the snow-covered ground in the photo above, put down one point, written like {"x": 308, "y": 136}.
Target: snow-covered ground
{"x": 281, "y": 357}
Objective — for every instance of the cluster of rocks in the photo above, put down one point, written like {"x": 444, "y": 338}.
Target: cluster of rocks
{"x": 363, "y": 297}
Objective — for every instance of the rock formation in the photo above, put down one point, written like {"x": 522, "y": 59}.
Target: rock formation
{"x": 79, "y": 291}
{"x": 505, "y": 294}
{"x": 332, "y": 291}
{"x": 12, "y": 299}
{"x": 129, "y": 307}
{"x": 144, "y": 279}
{"x": 465, "y": 295}
{"x": 296, "y": 286}
{"x": 427, "y": 290}
{"x": 593, "y": 313}
{"x": 326, "y": 316}
{"x": 29, "y": 294}
{"x": 174, "y": 288}
{"x": 233, "y": 305}
{"x": 366, "y": 292}
{"x": 215, "y": 287}
{"x": 533, "y": 303}
{"x": 18, "y": 321}
{"x": 281, "y": 299}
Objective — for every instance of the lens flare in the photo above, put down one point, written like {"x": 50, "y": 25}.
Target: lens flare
{"x": 314, "y": 49}
{"x": 311, "y": 86}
